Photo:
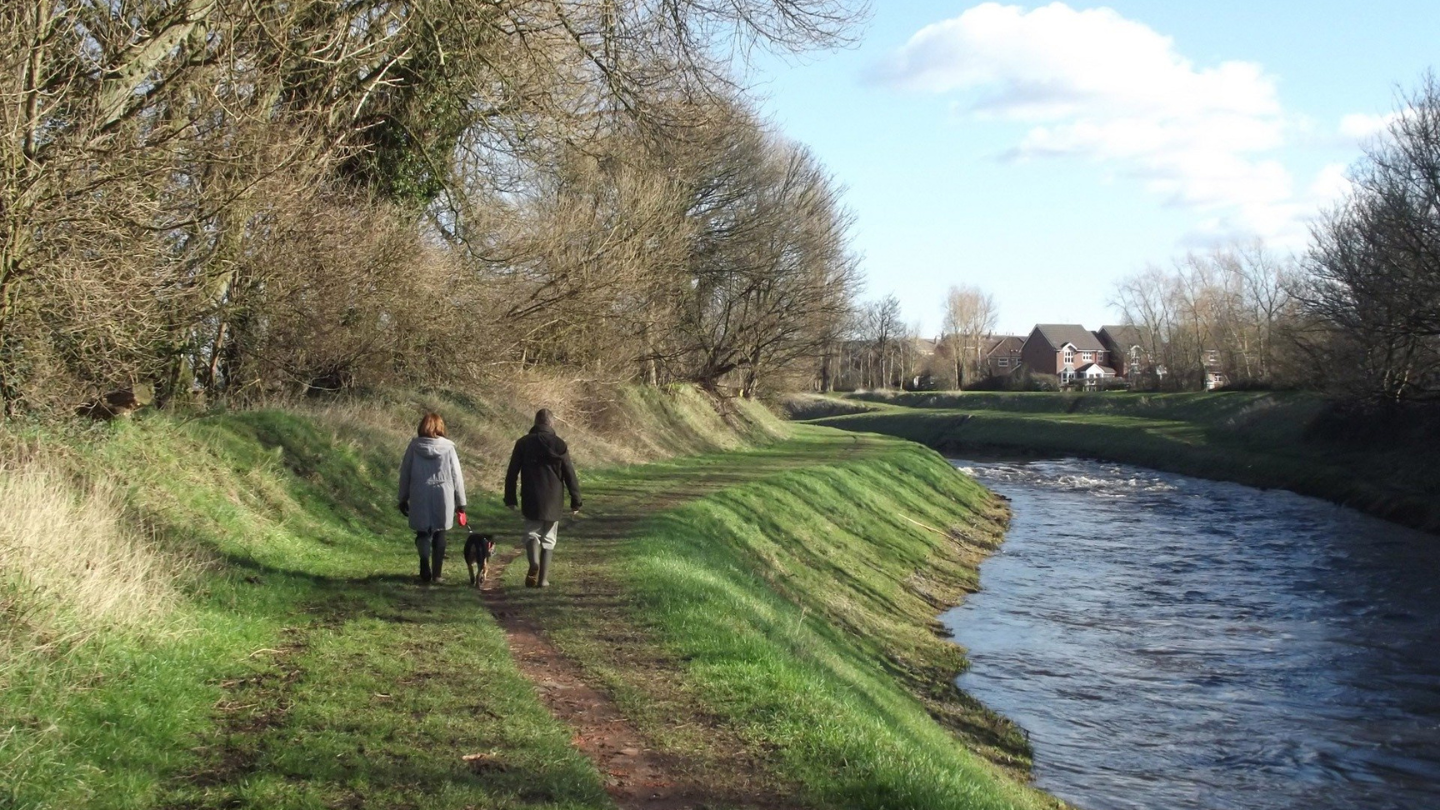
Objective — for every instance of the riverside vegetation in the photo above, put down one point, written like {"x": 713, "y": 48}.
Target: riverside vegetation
{"x": 219, "y": 612}
{"x": 1289, "y": 440}
{"x": 220, "y": 200}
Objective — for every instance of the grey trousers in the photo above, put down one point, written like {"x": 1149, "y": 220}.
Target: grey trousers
{"x": 545, "y": 532}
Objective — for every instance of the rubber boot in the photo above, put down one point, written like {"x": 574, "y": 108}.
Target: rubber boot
{"x": 438, "y": 558}
{"x": 425, "y": 569}
{"x": 532, "y": 554}
{"x": 545, "y": 567}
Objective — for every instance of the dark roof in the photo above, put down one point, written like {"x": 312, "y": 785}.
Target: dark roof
{"x": 1009, "y": 343}
{"x": 1123, "y": 337}
{"x": 1058, "y": 334}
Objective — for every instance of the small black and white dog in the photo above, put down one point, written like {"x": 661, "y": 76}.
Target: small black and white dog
{"x": 478, "y": 549}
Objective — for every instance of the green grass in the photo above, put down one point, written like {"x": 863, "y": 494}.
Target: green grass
{"x": 796, "y": 611}
{"x": 774, "y": 599}
{"x": 305, "y": 609}
{"x": 290, "y": 515}
{"x": 1255, "y": 438}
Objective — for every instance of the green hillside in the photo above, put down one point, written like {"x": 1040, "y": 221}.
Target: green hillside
{"x": 221, "y": 612}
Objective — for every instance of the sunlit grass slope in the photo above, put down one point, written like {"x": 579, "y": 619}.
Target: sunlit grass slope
{"x": 214, "y": 611}
{"x": 798, "y": 611}
{"x": 775, "y": 589}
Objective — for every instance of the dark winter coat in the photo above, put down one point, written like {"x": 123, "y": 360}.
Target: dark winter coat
{"x": 542, "y": 463}
{"x": 431, "y": 483}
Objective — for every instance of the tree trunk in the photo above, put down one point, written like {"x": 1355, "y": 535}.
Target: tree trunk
{"x": 11, "y": 273}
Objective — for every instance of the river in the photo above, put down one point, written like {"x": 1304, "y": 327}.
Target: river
{"x": 1170, "y": 643}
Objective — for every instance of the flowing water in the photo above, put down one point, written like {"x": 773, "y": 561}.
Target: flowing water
{"x": 1169, "y": 642}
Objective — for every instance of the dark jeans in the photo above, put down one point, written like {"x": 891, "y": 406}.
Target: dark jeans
{"x": 431, "y": 546}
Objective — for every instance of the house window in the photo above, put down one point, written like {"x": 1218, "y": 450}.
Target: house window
{"x": 1069, "y": 355}
{"x": 1087, "y": 356}
{"x": 1004, "y": 362}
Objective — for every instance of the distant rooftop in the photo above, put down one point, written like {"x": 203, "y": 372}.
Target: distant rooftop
{"x": 1058, "y": 334}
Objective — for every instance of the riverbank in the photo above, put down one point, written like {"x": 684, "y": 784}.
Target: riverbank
{"x": 1257, "y": 438}
{"x": 756, "y": 600}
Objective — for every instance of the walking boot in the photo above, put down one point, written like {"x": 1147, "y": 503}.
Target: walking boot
{"x": 532, "y": 554}
{"x": 424, "y": 569}
{"x": 545, "y": 567}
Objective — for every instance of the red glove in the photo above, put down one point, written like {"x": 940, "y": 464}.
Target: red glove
{"x": 461, "y": 513}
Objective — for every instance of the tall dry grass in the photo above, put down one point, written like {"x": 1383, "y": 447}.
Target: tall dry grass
{"x": 71, "y": 566}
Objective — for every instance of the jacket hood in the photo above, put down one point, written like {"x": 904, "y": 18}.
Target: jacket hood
{"x": 552, "y": 446}
{"x": 432, "y": 448}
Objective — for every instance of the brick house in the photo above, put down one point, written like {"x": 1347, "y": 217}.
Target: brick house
{"x": 1094, "y": 376}
{"x": 1125, "y": 346}
{"x": 1002, "y": 355}
{"x": 1069, "y": 352}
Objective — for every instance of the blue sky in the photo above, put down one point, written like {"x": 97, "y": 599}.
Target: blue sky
{"x": 1045, "y": 151}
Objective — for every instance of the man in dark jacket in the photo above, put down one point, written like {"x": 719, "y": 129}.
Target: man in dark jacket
{"x": 542, "y": 463}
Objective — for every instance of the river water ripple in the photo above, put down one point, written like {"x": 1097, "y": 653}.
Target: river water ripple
{"x": 1170, "y": 642}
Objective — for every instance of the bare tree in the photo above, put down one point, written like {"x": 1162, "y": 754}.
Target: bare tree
{"x": 884, "y": 327}
{"x": 1144, "y": 301}
{"x": 1372, "y": 290}
{"x": 1253, "y": 308}
{"x": 1232, "y": 303}
{"x": 969, "y": 323}
{"x": 166, "y": 164}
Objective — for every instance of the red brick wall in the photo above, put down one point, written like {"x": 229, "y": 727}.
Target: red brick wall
{"x": 1038, "y": 355}
{"x": 1115, "y": 355}
{"x": 1043, "y": 360}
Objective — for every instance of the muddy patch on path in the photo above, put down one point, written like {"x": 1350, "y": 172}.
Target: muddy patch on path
{"x": 637, "y": 776}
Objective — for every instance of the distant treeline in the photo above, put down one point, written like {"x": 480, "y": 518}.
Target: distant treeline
{"x": 228, "y": 199}
{"x": 1356, "y": 314}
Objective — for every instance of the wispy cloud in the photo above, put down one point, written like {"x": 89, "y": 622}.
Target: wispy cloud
{"x": 1092, "y": 84}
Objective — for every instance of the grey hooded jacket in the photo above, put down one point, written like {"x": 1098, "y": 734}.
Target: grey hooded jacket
{"x": 431, "y": 482}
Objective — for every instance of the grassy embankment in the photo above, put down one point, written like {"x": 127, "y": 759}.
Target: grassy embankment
{"x": 1255, "y": 438}
{"x": 219, "y": 613}
{"x": 794, "y": 606}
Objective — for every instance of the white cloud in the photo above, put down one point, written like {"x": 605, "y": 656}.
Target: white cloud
{"x": 1361, "y": 127}
{"x": 1331, "y": 184}
{"x": 1092, "y": 84}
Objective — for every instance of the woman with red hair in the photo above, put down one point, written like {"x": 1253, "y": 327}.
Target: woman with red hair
{"x": 432, "y": 492}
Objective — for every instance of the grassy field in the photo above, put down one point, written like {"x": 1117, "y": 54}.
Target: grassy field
{"x": 1257, "y": 438}
{"x": 774, "y": 595}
